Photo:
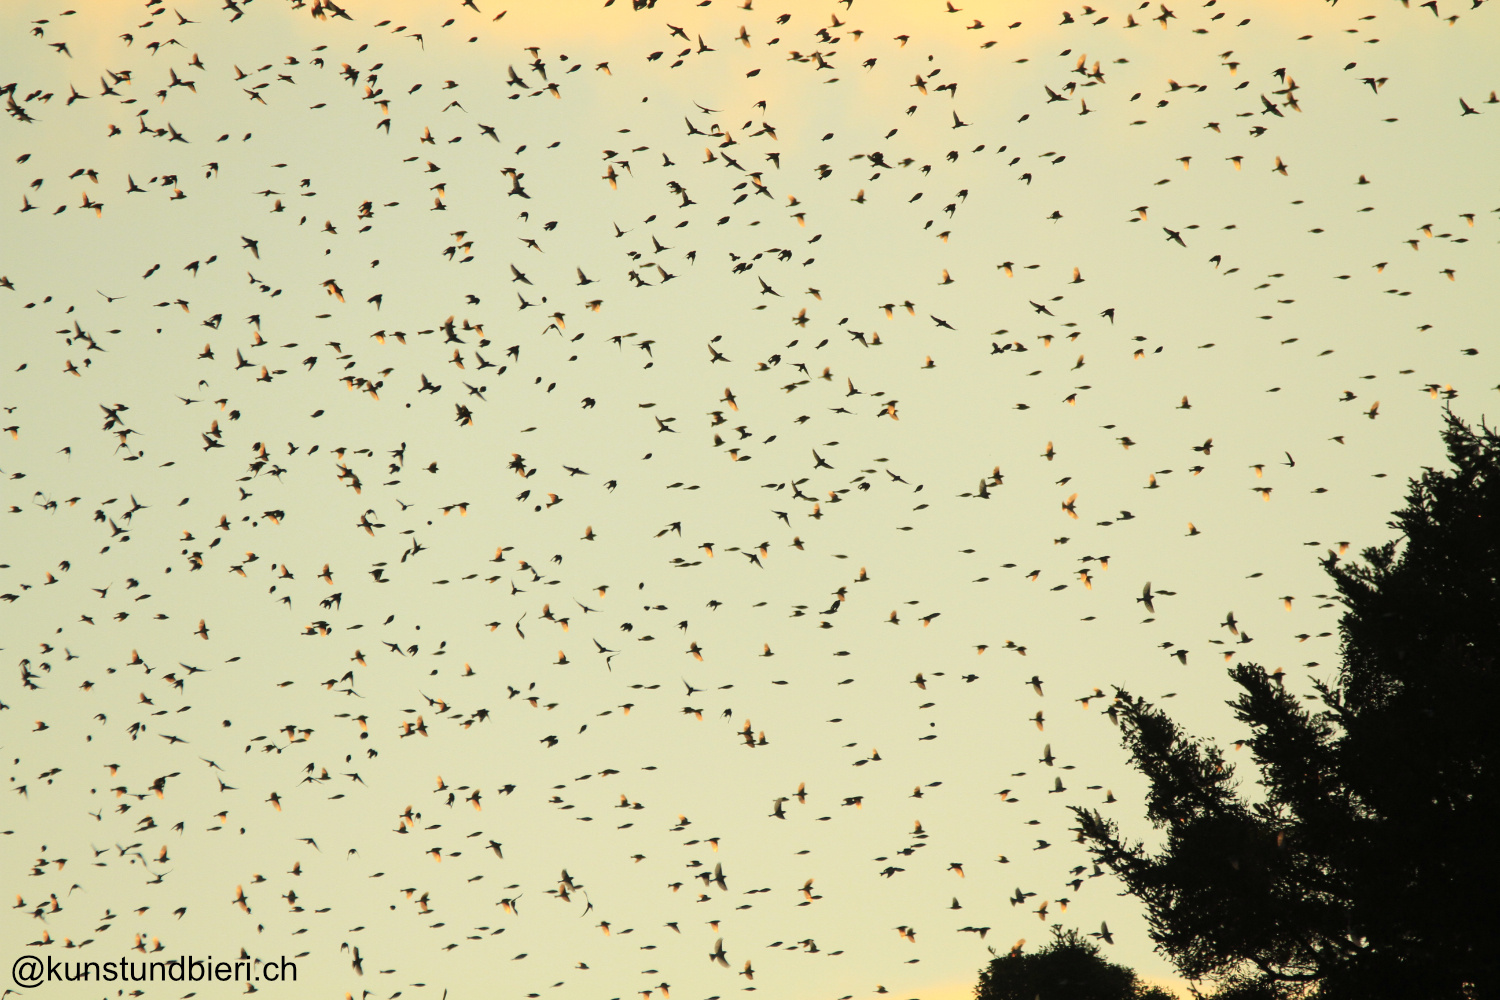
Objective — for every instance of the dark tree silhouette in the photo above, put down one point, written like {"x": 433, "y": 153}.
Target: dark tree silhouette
{"x": 1363, "y": 867}
{"x": 1068, "y": 967}
{"x": 1258, "y": 986}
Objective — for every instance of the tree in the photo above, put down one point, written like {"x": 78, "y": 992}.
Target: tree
{"x": 1067, "y": 968}
{"x": 1363, "y": 867}
{"x": 1256, "y": 986}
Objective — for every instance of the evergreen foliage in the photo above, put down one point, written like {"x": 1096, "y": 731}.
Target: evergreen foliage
{"x": 1362, "y": 868}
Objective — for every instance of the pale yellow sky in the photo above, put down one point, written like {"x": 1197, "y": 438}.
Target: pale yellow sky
{"x": 1164, "y": 384}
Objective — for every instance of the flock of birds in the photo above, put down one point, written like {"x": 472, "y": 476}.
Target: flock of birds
{"x": 489, "y": 666}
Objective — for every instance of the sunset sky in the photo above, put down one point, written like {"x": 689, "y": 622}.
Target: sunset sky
{"x": 395, "y": 422}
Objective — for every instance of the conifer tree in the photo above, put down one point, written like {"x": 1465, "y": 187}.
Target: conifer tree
{"x": 1361, "y": 866}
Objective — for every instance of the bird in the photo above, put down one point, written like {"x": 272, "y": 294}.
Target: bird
{"x": 1145, "y": 599}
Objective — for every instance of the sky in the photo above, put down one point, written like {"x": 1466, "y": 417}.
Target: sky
{"x": 465, "y": 470}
